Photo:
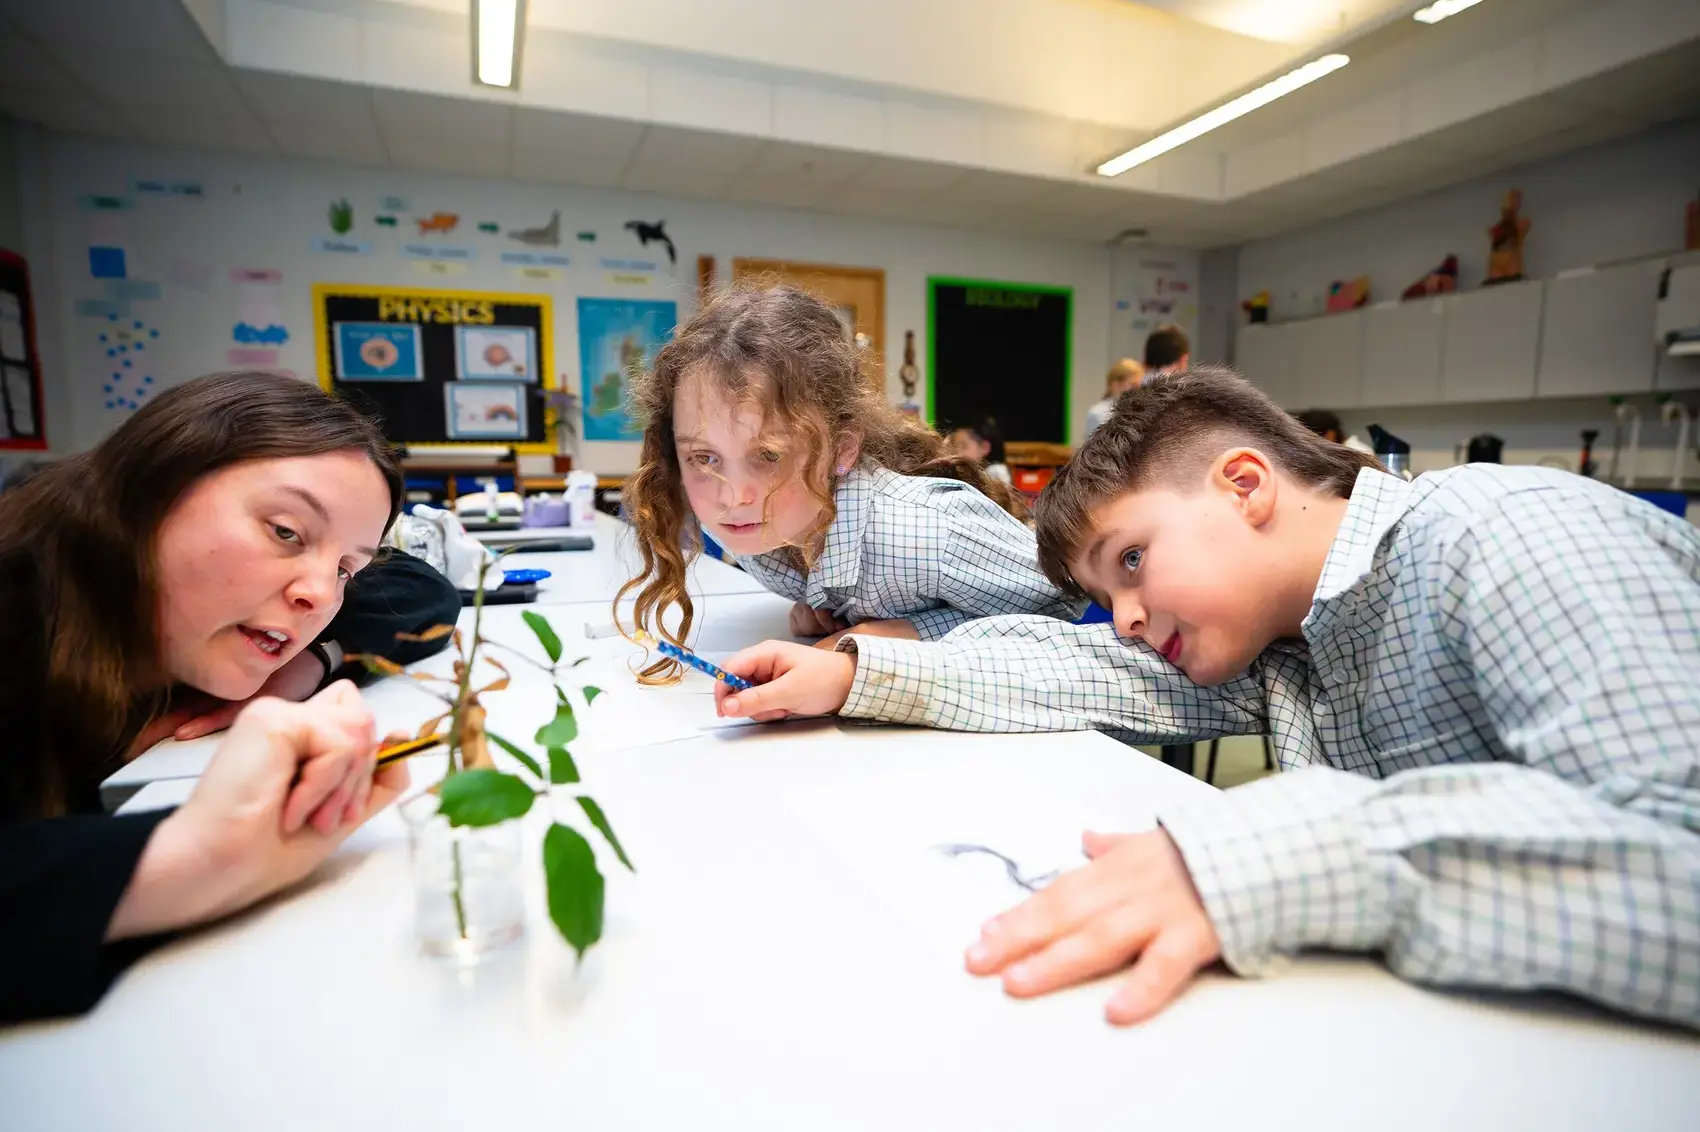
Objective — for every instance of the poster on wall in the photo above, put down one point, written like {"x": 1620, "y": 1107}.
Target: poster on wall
{"x": 496, "y": 353}
{"x": 20, "y": 367}
{"x": 377, "y": 351}
{"x": 618, "y": 338}
{"x": 480, "y": 410}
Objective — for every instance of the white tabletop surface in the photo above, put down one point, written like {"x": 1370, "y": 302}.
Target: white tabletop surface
{"x": 598, "y": 574}
{"x": 789, "y": 956}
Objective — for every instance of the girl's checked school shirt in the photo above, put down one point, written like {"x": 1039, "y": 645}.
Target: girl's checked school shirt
{"x": 1489, "y": 738}
{"x": 934, "y": 552}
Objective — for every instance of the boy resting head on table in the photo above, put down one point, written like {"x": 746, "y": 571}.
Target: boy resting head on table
{"x": 1483, "y": 688}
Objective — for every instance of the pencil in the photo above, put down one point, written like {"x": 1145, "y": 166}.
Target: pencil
{"x": 410, "y": 747}
{"x": 687, "y": 657}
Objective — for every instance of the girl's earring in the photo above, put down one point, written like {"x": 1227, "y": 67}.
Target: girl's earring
{"x": 842, "y": 469}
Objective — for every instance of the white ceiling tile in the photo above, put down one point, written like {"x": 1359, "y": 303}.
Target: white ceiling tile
{"x": 935, "y": 133}
{"x": 566, "y": 75}
{"x": 75, "y": 114}
{"x": 1364, "y": 128}
{"x": 429, "y": 117}
{"x": 806, "y": 164}
{"x": 806, "y": 114}
{"x": 1029, "y": 143}
{"x": 293, "y": 98}
{"x": 697, "y": 149}
{"x": 862, "y": 200}
{"x": 600, "y": 170}
{"x": 1268, "y": 163}
{"x": 710, "y": 102}
{"x": 232, "y": 132}
{"x": 282, "y": 37}
{"x": 779, "y": 191}
{"x": 893, "y": 174}
{"x": 1006, "y": 189}
{"x": 575, "y": 133}
{"x": 448, "y": 157}
{"x": 419, "y": 58}
{"x": 1473, "y": 87}
{"x": 1521, "y": 122}
{"x": 351, "y": 141}
{"x": 155, "y": 27}
{"x": 648, "y": 176}
{"x": 25, "y": 64}
{"x": 153, "y": 80}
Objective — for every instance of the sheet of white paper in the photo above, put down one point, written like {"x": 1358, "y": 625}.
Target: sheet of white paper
{"x": 890, "y": 830}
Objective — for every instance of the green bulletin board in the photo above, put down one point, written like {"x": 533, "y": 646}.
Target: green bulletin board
{"x": 1004, "y": 349}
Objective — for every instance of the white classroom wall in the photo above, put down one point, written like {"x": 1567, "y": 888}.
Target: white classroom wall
{"x": 262, "y": 212}
{"x": 1618, "y": 200}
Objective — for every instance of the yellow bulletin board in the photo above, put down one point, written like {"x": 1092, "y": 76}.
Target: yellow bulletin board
{"x": 437, "y": 366}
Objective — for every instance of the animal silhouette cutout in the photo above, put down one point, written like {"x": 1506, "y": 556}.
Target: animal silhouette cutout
{"x": 438, "y": 222}
{"x": 648, "y": 233}
{"x": 546, "y": 235}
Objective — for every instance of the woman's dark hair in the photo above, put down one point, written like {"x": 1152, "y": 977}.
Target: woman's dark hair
{"x": 77, "y": 557}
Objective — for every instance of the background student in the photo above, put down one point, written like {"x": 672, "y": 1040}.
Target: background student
{"x": 1124, "y": 375}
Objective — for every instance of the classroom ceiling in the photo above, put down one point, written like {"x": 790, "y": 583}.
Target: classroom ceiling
{"x": 854, "y": 124}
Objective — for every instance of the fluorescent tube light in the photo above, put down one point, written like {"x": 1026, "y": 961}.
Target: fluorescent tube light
{"x": 497, "y": 28}
{"x": 1440, "y": 9}
{"x": 1223, "y": 114}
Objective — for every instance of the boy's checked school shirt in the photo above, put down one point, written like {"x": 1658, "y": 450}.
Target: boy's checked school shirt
{"x": 1489, "y": 738}
{"x": 933, "y": 551}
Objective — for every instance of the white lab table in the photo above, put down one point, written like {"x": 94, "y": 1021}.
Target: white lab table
{"x": 788, "y": 956}
{"x": 597, "y": 574}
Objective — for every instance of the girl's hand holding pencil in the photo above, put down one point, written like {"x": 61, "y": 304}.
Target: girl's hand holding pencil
{"x": 787, "y": 679}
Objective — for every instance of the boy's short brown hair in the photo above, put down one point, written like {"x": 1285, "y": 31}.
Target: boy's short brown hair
{"x": 1166, "y": 432}
{"x": 1166, "y": 346}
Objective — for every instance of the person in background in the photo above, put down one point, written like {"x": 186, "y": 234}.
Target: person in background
{"x": 1124, "y": 375}
{"x": 765, "y": 433}
{"x": 1166, "y": 351}
{"x": 981, "y": 440}
{"x": 1326, "y": 425}
{"x": 212, "y": 549}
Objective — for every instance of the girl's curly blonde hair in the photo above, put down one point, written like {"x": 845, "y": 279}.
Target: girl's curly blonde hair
{"x": 786, "y": 352}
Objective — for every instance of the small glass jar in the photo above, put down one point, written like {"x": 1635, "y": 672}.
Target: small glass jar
{"x": 468, "y": 886}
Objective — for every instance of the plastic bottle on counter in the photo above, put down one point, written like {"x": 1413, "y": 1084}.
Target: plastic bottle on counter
{"x": 581, "y": 499}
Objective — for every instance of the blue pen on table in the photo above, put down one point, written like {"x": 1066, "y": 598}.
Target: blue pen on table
{"x": 687, "y": 657}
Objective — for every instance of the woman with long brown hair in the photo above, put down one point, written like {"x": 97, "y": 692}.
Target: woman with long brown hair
{"x": 199, "y": 556}
{"x": 764, "y": 430}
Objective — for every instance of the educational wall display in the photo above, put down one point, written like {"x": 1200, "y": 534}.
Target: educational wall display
{"x": 1003, "y": 349}
{"x": 20, "y": 366}
{"x": 496, "y": 353}
{"x": 478, "y": 410}
{"x": 617, "y": 339}
{"x": 378, "y": 351}
{"x": 439, "y": 366}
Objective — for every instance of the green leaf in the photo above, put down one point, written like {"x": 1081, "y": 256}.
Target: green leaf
{"x": 575, "y": 887}
{"x": 545, "y": 634}
{"x": 561, "y": 730}
{"x": 562, "y": 769}
{"x": 484, "y": 797}
{"x": 579, "y": 661}
{"x": 525, "y": 760}
{"x": 591, "y": 691}
{"x": 600, "y": 821}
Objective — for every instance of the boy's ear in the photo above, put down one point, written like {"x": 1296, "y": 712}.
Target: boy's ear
{"x": 1248, "y": 478}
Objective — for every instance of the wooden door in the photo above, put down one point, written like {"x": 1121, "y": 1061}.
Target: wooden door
{"x": 856, "y": 293}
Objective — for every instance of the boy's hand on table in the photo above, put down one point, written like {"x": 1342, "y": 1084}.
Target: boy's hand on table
{"x": 1134, "y": 902}
{"x": 792, "y": 680}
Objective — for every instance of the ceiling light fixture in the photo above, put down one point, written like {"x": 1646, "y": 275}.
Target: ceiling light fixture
{"x": 1440, "y": 9}
{"x": 1223, "y": 114}
{"x": 498, "y": 28}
